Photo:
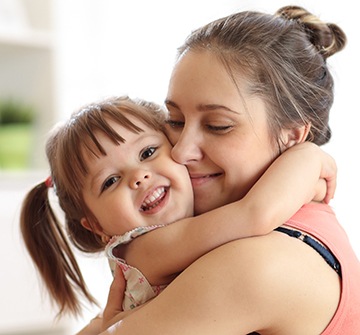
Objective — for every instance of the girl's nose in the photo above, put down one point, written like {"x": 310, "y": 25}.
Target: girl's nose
{"x": 187, "y": 149}
{"x": 139, "y": 178}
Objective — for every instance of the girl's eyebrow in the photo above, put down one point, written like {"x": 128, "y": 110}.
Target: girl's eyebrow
{"x": 171, "y": 103}
{"x": 94, "y": 179}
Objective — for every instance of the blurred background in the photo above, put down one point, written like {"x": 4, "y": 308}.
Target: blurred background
{"x": 56, "y": 55}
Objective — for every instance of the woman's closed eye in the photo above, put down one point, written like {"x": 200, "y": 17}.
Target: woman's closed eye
{"x": 219, "y": 129}
{"x": 179, "y": 125}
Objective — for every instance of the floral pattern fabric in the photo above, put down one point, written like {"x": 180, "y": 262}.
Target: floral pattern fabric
{"x": 138, "y": 289}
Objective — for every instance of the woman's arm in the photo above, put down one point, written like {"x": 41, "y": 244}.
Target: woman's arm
{"x": 288, "y": 183}
{"x": 94, "y": 327}
{"x": 241, "y": 287}
{"x": 191, "y": 305}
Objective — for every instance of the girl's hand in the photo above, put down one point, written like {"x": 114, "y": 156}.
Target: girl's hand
{"x": 328, "y": 176}
{"x": 329, "y": 173}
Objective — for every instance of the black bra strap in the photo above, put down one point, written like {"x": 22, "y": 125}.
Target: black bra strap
{"x": 324, "y": 252}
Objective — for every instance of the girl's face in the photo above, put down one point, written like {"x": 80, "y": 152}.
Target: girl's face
{"x": 137, "y": 183}
{"x": 219, "y": 131}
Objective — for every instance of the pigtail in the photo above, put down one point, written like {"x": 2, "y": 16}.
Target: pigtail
{"x": 50, "y": 251}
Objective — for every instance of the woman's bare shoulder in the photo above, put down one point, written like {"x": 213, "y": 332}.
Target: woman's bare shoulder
{"x": 275, "y": 273}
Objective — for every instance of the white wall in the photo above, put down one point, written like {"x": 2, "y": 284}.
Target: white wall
{"x": 106, "y": 47}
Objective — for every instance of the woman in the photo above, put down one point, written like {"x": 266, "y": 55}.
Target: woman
{"x": 244, "y": 89}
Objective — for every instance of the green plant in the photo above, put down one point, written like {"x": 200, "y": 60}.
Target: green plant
{"x": 12, "y": 111}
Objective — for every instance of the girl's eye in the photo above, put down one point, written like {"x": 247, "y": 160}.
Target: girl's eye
{"x": 109, "y": 182}
{"x": 146, "y": 153}
{"x": 175, "y": 124}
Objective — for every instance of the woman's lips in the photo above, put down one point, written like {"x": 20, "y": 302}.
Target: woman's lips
{"x": 198, "y": 180}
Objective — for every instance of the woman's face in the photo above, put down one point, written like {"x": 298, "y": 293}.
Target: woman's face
{"x": 219, "y": 131}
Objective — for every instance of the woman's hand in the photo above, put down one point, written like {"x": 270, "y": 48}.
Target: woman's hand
{"x": 113, "y": 311}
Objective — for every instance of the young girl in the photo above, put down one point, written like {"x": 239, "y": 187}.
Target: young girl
{"x": 112, "y": 172}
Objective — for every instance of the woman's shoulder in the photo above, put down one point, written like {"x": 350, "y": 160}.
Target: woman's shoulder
{"x": 272, "y": 253}
{"x": 275, "y": 273}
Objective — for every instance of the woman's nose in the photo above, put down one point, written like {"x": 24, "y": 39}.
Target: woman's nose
{"x": 139, "y": 178}
{"x": 187, "y": 149}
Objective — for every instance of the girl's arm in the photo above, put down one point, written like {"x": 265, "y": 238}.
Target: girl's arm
{"x": 291, "y": 181}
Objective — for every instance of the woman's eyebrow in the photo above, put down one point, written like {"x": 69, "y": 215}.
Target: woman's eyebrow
{"x": 210, "y": 107}
{"x": 202, "y": 107}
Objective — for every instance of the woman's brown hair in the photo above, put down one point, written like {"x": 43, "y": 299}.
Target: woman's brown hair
{"x": 283, "y": 57}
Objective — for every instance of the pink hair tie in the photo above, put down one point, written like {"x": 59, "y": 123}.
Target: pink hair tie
{"x": 49, "y": 182}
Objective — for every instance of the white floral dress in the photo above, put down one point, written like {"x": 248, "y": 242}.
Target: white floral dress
{"x": 138, "y": 290}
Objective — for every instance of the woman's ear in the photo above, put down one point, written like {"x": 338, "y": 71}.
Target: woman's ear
{"x": 290, "y": 137}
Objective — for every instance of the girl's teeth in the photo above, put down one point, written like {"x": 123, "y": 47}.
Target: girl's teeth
{"x": 156, "y": 194}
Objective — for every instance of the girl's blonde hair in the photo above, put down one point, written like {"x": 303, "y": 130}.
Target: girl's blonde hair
{"x": 44, "y": 236}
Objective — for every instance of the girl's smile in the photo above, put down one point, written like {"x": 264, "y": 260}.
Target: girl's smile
{"x": 155, "y": 200}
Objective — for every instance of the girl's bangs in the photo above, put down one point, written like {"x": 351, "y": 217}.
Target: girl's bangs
{"x": 80, "y": 140}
